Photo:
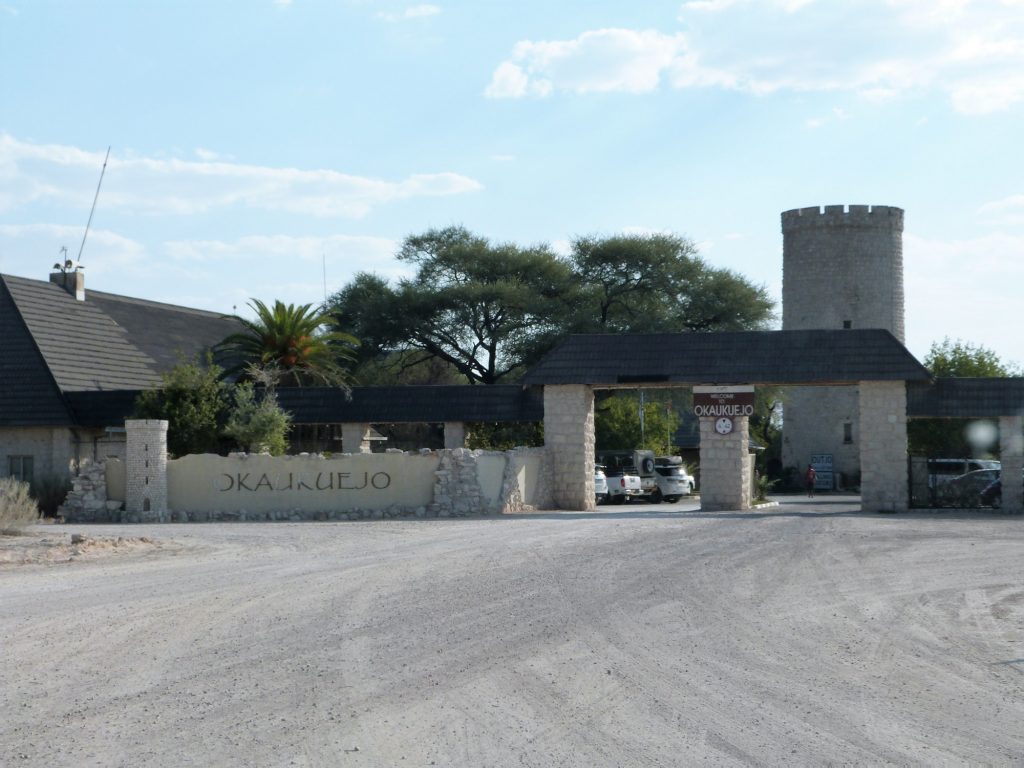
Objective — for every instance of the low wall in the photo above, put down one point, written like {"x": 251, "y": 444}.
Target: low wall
{"x": 357, "y": 486}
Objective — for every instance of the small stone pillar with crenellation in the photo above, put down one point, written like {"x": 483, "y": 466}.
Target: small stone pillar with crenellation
{"x": 146, "y": 482}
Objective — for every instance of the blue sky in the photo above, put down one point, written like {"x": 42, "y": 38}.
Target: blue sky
{"x": 253, "y": 142}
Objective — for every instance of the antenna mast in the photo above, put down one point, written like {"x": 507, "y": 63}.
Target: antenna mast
{"x": 93, "y": 210}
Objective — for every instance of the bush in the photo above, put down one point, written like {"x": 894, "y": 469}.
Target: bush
{"x": 17, "y": 507}
{"x": 49, "y": 491}
{"x": 258, "y": 423}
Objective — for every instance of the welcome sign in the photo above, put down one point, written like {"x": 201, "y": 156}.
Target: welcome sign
{"x": 715, "y": 402}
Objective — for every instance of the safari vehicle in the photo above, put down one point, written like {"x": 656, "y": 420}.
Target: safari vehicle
{"x": 662, "y": 478}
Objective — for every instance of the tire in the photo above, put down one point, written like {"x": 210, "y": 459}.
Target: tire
{"x": 647, "y": 465}
{"x": 672, "y": 499}
{"x": 656, "y": 497}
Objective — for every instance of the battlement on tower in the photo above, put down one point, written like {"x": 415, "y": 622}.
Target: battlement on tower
{"x": 880, "y": 216}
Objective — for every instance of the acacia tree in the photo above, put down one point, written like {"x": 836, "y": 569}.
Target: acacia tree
{"x": 659, "y": 283}
{"x": 478, "y": 306}
{"x": 487, "y": 311}
{"x": 294, "y": 340}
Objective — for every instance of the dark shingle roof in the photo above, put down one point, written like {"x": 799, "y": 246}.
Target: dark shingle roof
{"x": 765, "y": 357}
{"x": 110, "y": 342}
{"x": 411, "y": 404}
{"x": 966, "y": 398}
{"x": 28, "y": 394}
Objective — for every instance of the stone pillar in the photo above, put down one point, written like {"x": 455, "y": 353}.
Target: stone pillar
{"x": 569, "y": 438}
{"x": 454, "y": 434}
{"x": 883, "y": 446}
{"x": 725, "y": 465}
{"x": 354, "y": 437}
{"x": 1011, "y": 453}
{"x": 146, "y": 467}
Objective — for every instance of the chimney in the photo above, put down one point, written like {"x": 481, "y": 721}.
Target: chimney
{"x": 72, "y": 282}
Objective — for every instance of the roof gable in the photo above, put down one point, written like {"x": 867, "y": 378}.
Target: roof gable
{"x": 110, "y": 342}
{"x": 28, "y": 394}
{"x": 746, "y": 357}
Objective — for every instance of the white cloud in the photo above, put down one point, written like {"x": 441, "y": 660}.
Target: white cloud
{"x": 837, "y": 114}
{"x": 600, "y": 60}
{"x": 34, "y": 172}
{"x": 970, "y": 50}
{"x": 412, "y": 12}
{"x": 290, "y": 268}
{"x": 1009, "y": 210}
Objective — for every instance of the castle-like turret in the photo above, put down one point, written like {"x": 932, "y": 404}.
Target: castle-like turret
{"x": 842, "y": 267}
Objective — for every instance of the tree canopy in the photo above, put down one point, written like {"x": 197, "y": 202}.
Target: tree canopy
{"x": 489, "y": 310}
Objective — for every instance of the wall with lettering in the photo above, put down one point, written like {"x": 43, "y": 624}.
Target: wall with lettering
{"x": 259, "y": 483}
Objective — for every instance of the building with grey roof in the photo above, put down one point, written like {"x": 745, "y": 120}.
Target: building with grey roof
{"x": 67, "y": 354}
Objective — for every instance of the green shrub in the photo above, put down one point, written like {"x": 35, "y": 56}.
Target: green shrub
{"x": 258, "y": 423}
{"x": 49, "y": 491}
{"x": 17, "y": 507}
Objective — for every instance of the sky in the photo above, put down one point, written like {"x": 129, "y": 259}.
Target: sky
{"x": 272, "y": 149}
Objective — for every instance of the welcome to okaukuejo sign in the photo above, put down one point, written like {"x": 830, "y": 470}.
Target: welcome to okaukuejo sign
{"x": 723, "y": 401}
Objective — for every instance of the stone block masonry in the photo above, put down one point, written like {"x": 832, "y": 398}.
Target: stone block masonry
{"x": 883, "y": 451}
{"x": 842, "y": 267}
{"x": 146, "y": 491}
{"x": 569, "y": 438}
{"x": 726, "y": 466}
{"x": 1011, "y": 453}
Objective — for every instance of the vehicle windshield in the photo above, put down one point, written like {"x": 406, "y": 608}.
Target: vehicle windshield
{"x": 668, "y": 471}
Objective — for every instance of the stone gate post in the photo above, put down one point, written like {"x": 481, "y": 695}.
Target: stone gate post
{"x": 146, "y": 468}
{"x": 884, "y": 477}
{"x": 569, "y": 439}
{"x": 1011, "y": 454}
{"x": 726, "y": 466}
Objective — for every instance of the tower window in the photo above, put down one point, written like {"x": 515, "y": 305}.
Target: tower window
{"x": 847, "y": 433}
{"x": 847, "y": 325}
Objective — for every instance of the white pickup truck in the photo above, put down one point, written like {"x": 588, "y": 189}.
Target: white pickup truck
{"x": 622, "y": 484}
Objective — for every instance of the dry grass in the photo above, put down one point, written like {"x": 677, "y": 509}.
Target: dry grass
{"x": 17, "y": 507}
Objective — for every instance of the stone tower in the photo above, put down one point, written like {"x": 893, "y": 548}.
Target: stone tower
{"x": 842, "y": 267}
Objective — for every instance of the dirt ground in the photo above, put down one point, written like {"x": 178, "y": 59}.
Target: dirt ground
{"x": 805, "y": 634}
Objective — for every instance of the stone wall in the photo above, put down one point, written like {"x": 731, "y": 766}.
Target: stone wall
{"x": 814, "y": 423}
{"x": 52, "y": 449}
{"x": 883, "y": 430}
{"x": 88, "y": 501}
{"x": 358, "y": 486}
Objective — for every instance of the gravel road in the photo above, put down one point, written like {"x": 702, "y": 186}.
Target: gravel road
{"x": 634, "y": 636}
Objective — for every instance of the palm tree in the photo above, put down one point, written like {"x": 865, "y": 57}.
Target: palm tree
{"x": 291, "y": 339}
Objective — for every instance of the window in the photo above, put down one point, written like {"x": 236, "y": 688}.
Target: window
{"x": 20, "y": 467}
{"x": 847, "y": 325}
{"x": 848, "y": 432}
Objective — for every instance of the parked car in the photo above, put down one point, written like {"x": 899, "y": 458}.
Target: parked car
{"x": 673, "y": 481}
{"x": 623, "y": 484}
{"x": 942, "y": 471}
{"x": 600, "y": 485}
{"x": 965, "y": 490}
{"x": 992, "y": 496}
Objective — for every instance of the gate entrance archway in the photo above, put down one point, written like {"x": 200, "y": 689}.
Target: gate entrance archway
{"x": 873, "y": 360}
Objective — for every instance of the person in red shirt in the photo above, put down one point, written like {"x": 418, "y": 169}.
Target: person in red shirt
{"x": 809, "y": 477}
